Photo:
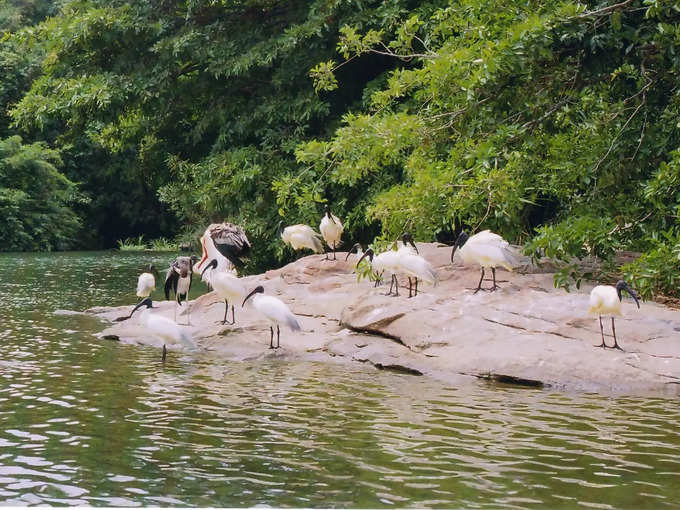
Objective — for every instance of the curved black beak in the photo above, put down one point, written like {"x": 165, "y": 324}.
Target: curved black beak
{"x": 257, "y": 289}
{"x": 453, "y": 252}
{"x": 356, "y": 245}
{"x": 212, "y": 265}
{"x": 368, "y": 252}
{"x": 410, "y": 241}
{"x": 632, "y": 294}
{"x": 144, "y": 302}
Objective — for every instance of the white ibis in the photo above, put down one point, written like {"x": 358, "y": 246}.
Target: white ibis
{"x": 414, "y": 265}
{"x": 606, "y": 300}
{"x": 178, "y": 279}
{"x": 227, "y": 285}
{"x": 302, "y": 236}
{"x": 161, "y": 327}
{"x": 275, "y": 311}
{"x": 331, "y": 229}
{"x": 486, "y": 249}
{"x": 225, "y": 242}
{"x": 385, "y": 261}
{"x": 146, "y": 283}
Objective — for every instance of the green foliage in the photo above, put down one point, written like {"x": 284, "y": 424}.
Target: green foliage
{"x": 35, "y": 199}
{"x": 658, "y": 269}
{"x": 553, "y": 122}
{"x": 132, "y": 244}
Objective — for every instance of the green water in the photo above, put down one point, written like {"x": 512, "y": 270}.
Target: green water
{"x": 92, "y": 422}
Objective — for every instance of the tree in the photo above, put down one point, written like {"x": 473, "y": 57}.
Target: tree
{"x": 35, "y": 199}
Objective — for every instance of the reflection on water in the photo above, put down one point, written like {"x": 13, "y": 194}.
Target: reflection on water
{"x": 90, "y": 422}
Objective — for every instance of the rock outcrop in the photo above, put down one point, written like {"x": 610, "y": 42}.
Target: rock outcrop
{"x": 527, "y": 332}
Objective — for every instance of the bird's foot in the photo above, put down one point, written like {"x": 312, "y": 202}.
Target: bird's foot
{"x": 616, "y": 346}
{"x": 603, "y": 345}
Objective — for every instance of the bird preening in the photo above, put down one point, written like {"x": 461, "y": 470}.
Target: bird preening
{"x": 486, "y": 249}
{"x": 226, "y": 243}
{"x": 302, "y": 236}
{"x": 606, "y": 300}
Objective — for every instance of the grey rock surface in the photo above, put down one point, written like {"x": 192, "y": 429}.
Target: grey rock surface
{"x": 527, "y": 332}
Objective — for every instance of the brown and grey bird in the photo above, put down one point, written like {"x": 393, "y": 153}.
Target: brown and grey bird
{"x": 178, "y": 279}
{"x": 225, "y": 242}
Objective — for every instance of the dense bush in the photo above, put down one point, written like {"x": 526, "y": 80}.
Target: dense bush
{"x": 35, "y": 199}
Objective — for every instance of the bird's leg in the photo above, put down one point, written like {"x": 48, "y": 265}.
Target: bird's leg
{"x": 278, "y": 337}
{"x": 495, "y": 286}
{"x": 165, "y": 354}
{"x": 271, "y": 338}
{"x": 616, "y": 346}
{"x": 416, "y": 293}
{"x": 233, "y": 319}
{"x": 479, "y": 287}
{"x": 226, "y": 309}
{"x": 603, "y": 345}
{"x": 409, "y": 287}
{"x": 334, "y": 255}
{"x": 391, "y": 284}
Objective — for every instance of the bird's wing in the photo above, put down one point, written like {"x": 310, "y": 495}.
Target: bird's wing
{"x": 171, "y": 279}
{"x": 487, "y": 237}
{"x": 278, "y": 310}
{"x": 232, "y": 242}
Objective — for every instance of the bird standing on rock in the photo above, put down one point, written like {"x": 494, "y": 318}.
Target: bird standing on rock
{"x": 275, "y": 311}
{"x": 413, "y": 265}
{"x": 178, "y": 279}
{"x": 227, "y": 285}
{"x": 331, "y": 229}
{"x": 302, "y": 236}
{"x": 385, "y": 261}
{"x": 225, "y": 242}
{"x": 146, "y": 283}
{"x": 486, "y": 249}
{"x": 606, "y": 300}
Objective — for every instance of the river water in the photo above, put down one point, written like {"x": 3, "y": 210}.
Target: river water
{"x": 85, "y": 421}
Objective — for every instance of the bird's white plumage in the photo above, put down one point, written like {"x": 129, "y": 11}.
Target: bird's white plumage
{"x": 227, "y": 285}
{"x": 165, "y": 329}
{"x": 331, "y": 230}
{"x": 415, "y": 266}
{"x": 146, "y": 283}
{"x": 302, "y": 236}
{"x": 604, "y": 300}
{"x": 275, "y": 311}
{"x": 488, "y": 250}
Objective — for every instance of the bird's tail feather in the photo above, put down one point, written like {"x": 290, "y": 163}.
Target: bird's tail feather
{"x": 292, "y": 323}
{"x": 318, "y": 247}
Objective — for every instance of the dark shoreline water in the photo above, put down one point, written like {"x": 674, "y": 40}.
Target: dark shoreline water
{"x": 91, "y": 422}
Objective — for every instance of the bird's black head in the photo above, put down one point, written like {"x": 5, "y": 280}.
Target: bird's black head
{"x": 259, "y": 289}
{"x": 407, "y": 238}
{"x": 357, "y": 246}
{"x": 152, "y": 269}
{"x": 368, "y": 253}
{"x": 327, "y": 210}
{"x": 460, "y": 242}
{"x": 194, "y": 259}
{"x": 620, "y": 286}
{"x": 211, "y": 265}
